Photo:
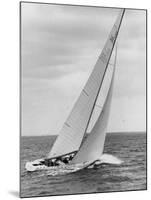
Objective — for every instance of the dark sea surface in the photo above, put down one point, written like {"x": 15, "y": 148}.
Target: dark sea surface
{"x": 130, "y": 175}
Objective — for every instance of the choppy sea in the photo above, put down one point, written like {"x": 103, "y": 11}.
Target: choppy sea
{"x": 130, "y": 175}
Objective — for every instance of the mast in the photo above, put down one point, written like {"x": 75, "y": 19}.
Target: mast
{"x": 104, "y": 57}
{"x": 74, "y": 128}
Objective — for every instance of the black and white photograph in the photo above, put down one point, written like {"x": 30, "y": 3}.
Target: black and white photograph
{"x": 83, "y": 99}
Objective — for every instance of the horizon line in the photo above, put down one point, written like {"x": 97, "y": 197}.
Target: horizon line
{"x": 114, "y": 132}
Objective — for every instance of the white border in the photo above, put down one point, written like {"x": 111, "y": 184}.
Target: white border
{"x": 9, "y": 99}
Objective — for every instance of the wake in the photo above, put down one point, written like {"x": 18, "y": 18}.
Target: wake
{"x": 110, "y": 159}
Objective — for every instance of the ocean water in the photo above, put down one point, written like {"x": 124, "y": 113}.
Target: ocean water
{"x": 130, "y": 175}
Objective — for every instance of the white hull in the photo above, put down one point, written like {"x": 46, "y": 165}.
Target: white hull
{"x": 69, "y": 168}
{"x": 30, "y": 166}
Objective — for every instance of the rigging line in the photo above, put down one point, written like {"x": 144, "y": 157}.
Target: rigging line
{"x": 103, "y": 77}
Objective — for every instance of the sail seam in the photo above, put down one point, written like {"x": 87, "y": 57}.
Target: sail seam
{"x": 85, "y": 92}
{"x": 99, "y": 106}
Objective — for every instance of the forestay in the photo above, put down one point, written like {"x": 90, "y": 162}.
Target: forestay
{"x": 74, "y": 128}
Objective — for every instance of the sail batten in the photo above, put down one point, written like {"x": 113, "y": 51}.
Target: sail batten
{"x": 74, "y": 128}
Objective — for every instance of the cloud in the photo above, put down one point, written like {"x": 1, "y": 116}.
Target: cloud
{"x": 56, "y": 35}
{"x": 60, "y": 45}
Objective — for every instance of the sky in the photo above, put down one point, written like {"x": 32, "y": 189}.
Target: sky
{"x": 59, "y": 48}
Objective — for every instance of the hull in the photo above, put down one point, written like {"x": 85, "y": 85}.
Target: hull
{"x": 62, "y": 168}
{"x": 69, "y": 168}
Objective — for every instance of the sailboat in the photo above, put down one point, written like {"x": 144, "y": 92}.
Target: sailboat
{"x": 74, "y": 149}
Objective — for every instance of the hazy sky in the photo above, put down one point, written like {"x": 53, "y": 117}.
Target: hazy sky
{"x": 60, "y": 45}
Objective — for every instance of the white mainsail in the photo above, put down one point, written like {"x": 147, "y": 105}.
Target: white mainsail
{"x": 74, "y": 128}
{"x": 93, "y": 145}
